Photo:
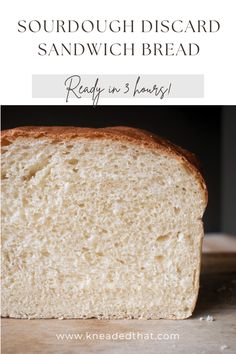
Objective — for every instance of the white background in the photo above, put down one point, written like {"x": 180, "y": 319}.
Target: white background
{"x": 19, "y": 59}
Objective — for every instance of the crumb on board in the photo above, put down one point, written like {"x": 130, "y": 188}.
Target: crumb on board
{"x": 210, "y": 318}
{"x": 61, "y": 318}
{"x": 223, "y": 347}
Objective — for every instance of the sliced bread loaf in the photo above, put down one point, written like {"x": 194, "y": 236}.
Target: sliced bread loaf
{"x": 99, "y": 223}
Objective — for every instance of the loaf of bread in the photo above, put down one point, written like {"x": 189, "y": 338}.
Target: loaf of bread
{"x": 102, "y": 223}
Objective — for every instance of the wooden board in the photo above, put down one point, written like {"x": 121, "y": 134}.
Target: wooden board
{"x": 217, "y": 298}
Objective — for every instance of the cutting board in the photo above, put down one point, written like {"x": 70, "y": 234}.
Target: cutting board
{"x": 217, "y": 299}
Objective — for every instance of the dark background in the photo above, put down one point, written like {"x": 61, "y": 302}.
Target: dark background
{"x": 203, "y": 130}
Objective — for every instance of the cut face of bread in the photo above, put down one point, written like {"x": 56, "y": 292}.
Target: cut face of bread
{"x": 99, "y": 223}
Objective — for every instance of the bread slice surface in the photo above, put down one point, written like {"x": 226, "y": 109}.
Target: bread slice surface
{"x": 99, "y": 223}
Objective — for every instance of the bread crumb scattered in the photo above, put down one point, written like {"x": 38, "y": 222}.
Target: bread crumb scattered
{"x": 61, "y": 318}
{"x": 223, "y": 347}
{"x": 210, "y": 318}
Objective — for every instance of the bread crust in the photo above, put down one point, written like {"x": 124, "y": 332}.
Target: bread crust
{"x": 135, "y": 136}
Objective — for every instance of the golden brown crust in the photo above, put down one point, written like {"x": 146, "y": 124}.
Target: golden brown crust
{"x": 120, "y": 133}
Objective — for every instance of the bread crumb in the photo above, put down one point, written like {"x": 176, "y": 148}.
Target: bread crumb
{"x": 210, "y": 318}
{"x": 223, "y": 347}
{"x": 61, "y": 318}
